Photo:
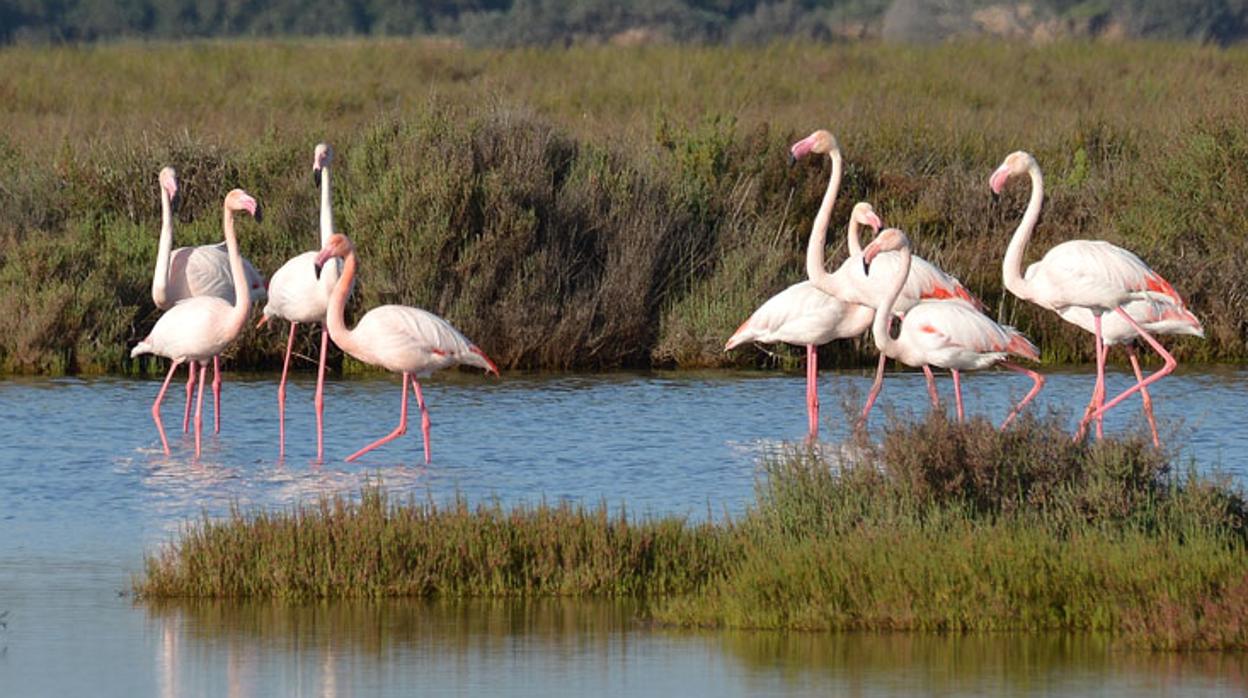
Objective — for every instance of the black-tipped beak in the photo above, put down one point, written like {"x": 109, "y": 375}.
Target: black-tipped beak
{"x": 996, "y": 198}
{"x": 792, "y": 159}
{"x": 175, "y": 202}
{"x": 259, "y": 214}
{"x": 866, "y": 267}
{"x": 316, "y": 267}
{"x": 316, "y": 175}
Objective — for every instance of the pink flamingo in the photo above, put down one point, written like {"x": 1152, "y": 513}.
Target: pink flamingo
{"x": 949, "y": 334}
{"x": 194, "y": 271}
{"x": 802, "y": 314}
{"x": 200, "y": 327}
{"x": 1155, "y": 315}
{"x": 1091, "y": 274}
{"x": 298, "y": 294}
{"x": 851, "y": 283}
{"x": 398, "y": 338}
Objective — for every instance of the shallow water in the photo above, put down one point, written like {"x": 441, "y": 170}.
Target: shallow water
{"x": 86, "y": 490}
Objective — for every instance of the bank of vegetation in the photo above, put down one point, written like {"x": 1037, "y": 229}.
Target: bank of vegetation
{"x": 940, "y": 527}
{"x": 603, "y": 207}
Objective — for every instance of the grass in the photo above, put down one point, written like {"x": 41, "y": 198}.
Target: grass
{"x": 940, "y": 527}
{"x": 602, "y": 207}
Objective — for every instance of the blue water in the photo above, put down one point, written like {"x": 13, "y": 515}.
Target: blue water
{"x": 85, "y": 491}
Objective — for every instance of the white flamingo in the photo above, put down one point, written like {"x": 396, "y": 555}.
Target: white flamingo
{"x": 188, "y": 272}
{"x": 297, "y": 294}
{"x": 950, "y": 335}
{"x": 201, "y": 327}
{"x": 1094, "y": 275}
{"x": 399, "y": 338}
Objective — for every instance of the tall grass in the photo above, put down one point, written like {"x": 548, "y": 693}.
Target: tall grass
{"x": 602, "y": 207}
{"x": 942, "y": 526}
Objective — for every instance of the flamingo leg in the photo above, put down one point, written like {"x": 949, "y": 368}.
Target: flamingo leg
{"x": 319, "y": 401}
{"x": 281, "y": 395}
{"x": 1098, "y": 391}
{"x": 398, "y": 431}
{"x": 1100, "y": 394}
{"x": 1035, "y": 390}
{"x": 1157, "y": 375}
{"x": 199, "y": 406}
{"x": 1148, "y": 401}
{"x": 812, "y": 393}
{"x": 164, "y": 443}
{"x": 876, "y": 386}
{"x": 957, "y": 391}
{"x": 931, "y": 387}
{"x": 425, "y": 422}
{"x": 216, "y": 394}
{"x": 190, "y": 392}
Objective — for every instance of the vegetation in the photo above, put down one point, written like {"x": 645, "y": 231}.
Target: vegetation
{"x": 600, "y": 207}
{"x": 547, "y": 22}
{"x": 940, "y": 527}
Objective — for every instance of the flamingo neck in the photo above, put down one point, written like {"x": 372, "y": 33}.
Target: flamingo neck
{"x": 884, "y": 314}
{"x": 852, "y": 239}
{"x": 327, "y": 213}
{"x": 1012, "y": 265}
{"x": 815, "y": 269}
{"x": 337, "y": 306}
{"x": 161, "y": 277}
{"x": 242, "y": 290}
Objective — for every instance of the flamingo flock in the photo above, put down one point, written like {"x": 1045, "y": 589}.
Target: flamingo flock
{"x": 207, "y": 293}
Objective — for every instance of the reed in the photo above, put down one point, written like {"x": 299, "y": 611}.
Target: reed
{"x": 940, "y": 527}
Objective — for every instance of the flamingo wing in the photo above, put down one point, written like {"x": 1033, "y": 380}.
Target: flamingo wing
{"x": 802, "y": 314}
{"x": 1095, "y": 273}
{"x": 406, "y": 339}
{"x": 205, "y": 271}
{"x": 955, "y": 335}
{"x": 295, "y": 291}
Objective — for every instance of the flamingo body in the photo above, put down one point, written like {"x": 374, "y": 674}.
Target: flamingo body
{"x": 1094, "y": 274}
{"x": 1155, "y": 315}
{"x": 956, "y": 336}
{"x": 295, "y": 292}
{"x": 205, "y": 271}
{"x": 195, "y": 329}
{"x": 404, "y": 339}
{"x": 802, "y": 314}
{"x": 926, "y": 281}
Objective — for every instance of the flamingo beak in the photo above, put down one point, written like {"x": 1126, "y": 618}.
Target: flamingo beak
{"x": 258, "y": 214}
{"x": 175, "y": 201}
{"x": 316, "y": 175}
{"x": 792, "y": 159}
{"x": 316, "y": 267}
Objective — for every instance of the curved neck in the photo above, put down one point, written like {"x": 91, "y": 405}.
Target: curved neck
{"x": 242, "y": 291}
{"x": 815, "y": 270}
{"x": 337, "y": 306}
{"x": 852, "y": 239}
{"x": 884, "y": 314}
{"x": 161, "y": 277}
{"x": 327, "y": 213}
{"x": 1012, "y": 266}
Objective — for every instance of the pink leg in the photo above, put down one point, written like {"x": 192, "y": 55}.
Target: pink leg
{"x": 931, "y": 387}
{"x": 319, "y": 401}
{"x": 1100, "y": 395}
{"x": 1035, "y": 390}
{"x": 216, "y": 394}
{"x": 1157, "y": 375}
{"x": 398, "y": 431}
{"x": 957, "y": 391}
{"x": 1098, "y": 391}
{"x": 1148, "y": 401}
{"x": 199, "y": 407}
{"x": 425, "y": 422}
{"x": 164, "y": 443}
{"x": 812, "y": 393}
{"x": 875, "y": 391}
{"x": 281, "y": 394}
{"x": 190, "y": 391}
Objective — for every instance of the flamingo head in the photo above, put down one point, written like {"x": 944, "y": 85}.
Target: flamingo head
{"x": 321, "y": 158}
{"x": 169, "y": 183}
{"x": 239, "y": 200}
{"x": 820, "y": 142}
{"x": 338, "y": 245}
{"x": 1016, "y": 163}
{"x": 889, "y": 240}
{"x": 864, "y": 214}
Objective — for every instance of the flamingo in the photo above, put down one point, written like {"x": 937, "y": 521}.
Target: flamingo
{"x": 298, "y": 294}
{"x": 399, "y": 338}
{"x": 1090, "y": 274}
{"x": 802, "y": 314}
{"x": 1155, "y": 315}
{"x": 952, "y": 335}
{"x": 194, "y": 271}
{"x": 850, "y": 283}
{"x": 200, "y": 327}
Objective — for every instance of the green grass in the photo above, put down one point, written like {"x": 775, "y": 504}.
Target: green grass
{"x": 941, "y": 527}
{"x": 601, "y": 207}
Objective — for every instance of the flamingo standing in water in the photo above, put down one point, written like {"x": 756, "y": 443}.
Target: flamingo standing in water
{"x": 398, "y": 338}
{"x": 852, "y": 284}
{"x": 200, "y": 327}
{"x": 188, "y": 272}
{"x": 1093, "y": 275}
{"x": 802, "y": 314}
{"x": 948, "y": 334}
{"x": 298, "y": 294}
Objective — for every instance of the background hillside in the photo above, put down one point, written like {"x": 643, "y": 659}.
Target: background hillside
{"x": 500, "y": 23}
